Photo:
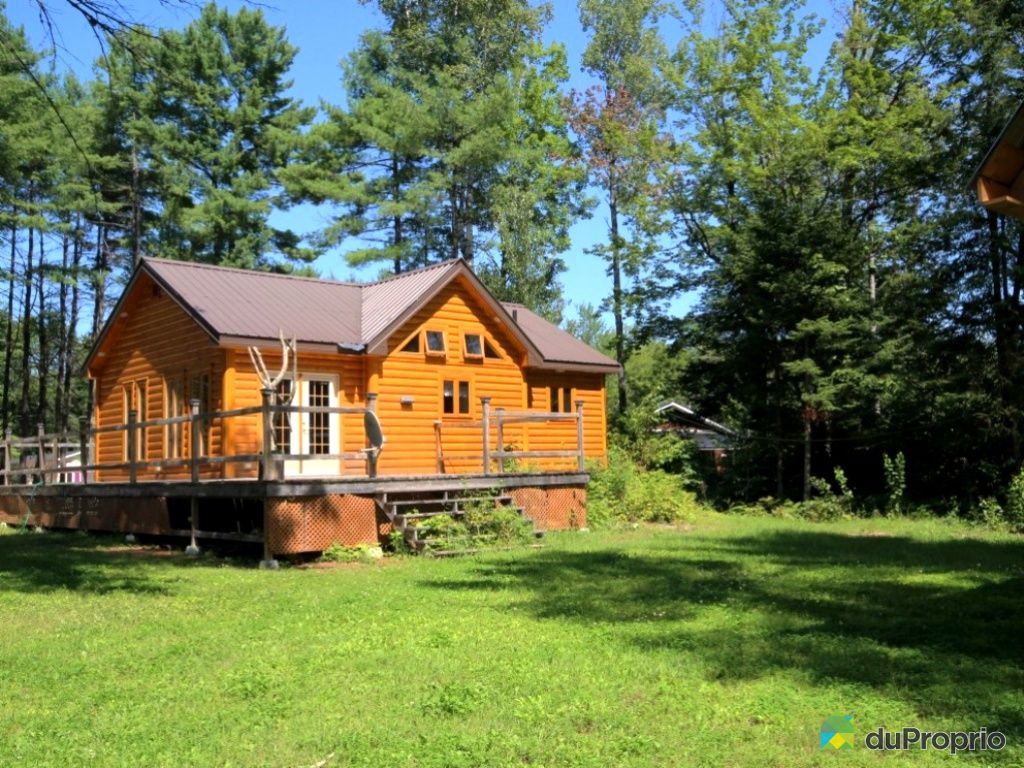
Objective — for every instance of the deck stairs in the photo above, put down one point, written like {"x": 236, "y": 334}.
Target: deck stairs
{"x": 409, "y": 511}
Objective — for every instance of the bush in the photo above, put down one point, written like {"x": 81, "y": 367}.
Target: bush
{"x": 1013, "y": 513}
{"x": 621, "y": 492}
{"x": 339, "y": 553}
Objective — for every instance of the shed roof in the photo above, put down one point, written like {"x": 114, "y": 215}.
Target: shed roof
{"x": 243, "y": 306}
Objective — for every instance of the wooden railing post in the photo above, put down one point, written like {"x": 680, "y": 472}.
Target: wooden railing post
{"x": 195, "y": 441}
{"x": 499, "y": 415}
{"x": 579, "y": 435}
{"x": 41, "y": 447}
{"x": 371, "y": 455}
{"x": 7, "y": 456}
{"x": 56, "y": 458}
{"x": 130, "y": 437}
{"x": 486, "y": 402}
{"x": 266, "y": 452}
{"x": 438, "y": 449}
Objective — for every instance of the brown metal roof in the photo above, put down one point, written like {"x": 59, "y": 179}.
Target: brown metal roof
{"x": 236, "y": 305}
{"x": 386, "y": 301}
{"x": 259, "y": 305}
{"x": 557, "y": 346}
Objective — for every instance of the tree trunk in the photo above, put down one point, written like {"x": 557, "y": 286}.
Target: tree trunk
{"x": 99, "y": 281}
{"x": 76, "y": 263}
{"x": 807, "y": 455}
{"x": 617, "y": 301}
{"x": 396, "y": 222}
{"x": 9, "y": 329}
{"x": 25, "y": 421}
{"x": 62, "y": 334}
{"x": 43, "y": 368}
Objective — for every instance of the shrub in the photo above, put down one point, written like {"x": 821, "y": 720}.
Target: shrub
{"x": 1013, "y": 513}
{"x": 339, "y": 553}
{"x": 621, "y": 492}
{"x": 895, "y": 470}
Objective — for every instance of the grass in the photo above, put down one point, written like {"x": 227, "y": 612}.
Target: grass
{"x": 725, "y": 644}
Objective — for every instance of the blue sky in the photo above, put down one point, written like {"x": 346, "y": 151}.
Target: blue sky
{"x": 324, "y": 33}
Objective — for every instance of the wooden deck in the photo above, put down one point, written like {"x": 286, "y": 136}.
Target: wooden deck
{"x": 264, "y": 489}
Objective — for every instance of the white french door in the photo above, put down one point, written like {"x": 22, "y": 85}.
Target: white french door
{"x": 312, "y": 434}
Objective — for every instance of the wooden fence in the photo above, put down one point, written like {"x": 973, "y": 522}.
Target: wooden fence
{"x": 499, "y": 418}
{"x": 45, "y": 456}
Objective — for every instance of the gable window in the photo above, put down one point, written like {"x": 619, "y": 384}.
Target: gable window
{"x": 435, "y": 343}
{"x": 474, "y": 346}
{"x": 561, "y": 399}
{"x": 490, "y": 352}
{"x": 450, "y": 404}
{"x": 412, "y": 345}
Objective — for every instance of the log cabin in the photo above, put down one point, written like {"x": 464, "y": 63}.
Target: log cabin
{"x": 999, "y": 178}
{"x": 471, "y": 395}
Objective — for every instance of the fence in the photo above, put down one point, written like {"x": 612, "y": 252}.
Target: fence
{"x": 41, "y": 457}
{"x": 498, "y": 419}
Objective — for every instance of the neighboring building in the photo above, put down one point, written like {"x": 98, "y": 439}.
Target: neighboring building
{"x": 682, "y": 420}
{"x": 999, "y": 179}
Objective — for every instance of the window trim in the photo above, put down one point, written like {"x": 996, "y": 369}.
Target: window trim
{"x": 435, "y": 352}
{"x": 465, "y": 345}
{"x": 457, "y": 412}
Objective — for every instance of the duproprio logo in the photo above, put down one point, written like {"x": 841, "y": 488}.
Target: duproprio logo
{"x": 837, "y": 733}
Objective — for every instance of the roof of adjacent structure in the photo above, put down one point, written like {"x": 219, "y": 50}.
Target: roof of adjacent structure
{"x": 244, "y": 306}
{"x": 999, "y": 178}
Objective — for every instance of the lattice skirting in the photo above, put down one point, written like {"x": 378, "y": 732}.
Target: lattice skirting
{"x": 313, "y": 523}
{"x": 557, "y": 508}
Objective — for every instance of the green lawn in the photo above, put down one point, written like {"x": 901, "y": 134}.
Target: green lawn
{"x": 723, "y": 645}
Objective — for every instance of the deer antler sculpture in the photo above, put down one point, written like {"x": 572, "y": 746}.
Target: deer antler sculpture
{"x": 288, "y": 348}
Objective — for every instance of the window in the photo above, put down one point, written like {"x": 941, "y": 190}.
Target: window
{"x": 283, "y": 421}
{"x": 474, "y": 346}
{"x": 448, "y": 402}
{"x": 134, "y": 398}
{"x": 199, "y": 389}
{"x": 412, "y": 345}
{"x": 490, "y": 352}
{"x": 435, "y": 343}
{"x": 319, "y": 423}
{"x": 175, "y": 406}
{"x": 561, "y": 404}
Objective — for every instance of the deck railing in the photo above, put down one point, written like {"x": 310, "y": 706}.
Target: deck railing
{"x": 497, "y": 419}
{"x": 45, "y": 457}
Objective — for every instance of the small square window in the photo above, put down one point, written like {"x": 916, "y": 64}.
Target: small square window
{"x": 474, "y": 345}
{"x": 435, "y": 342}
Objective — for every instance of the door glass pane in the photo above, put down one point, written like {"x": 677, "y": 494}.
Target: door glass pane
{"x": 554, "y": 400}
{"x": 283, "y": 421}
{"x": 566, "y": 400}
{"x": 319, "y": 423}
{"x": 463, "y": 397}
